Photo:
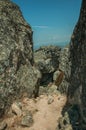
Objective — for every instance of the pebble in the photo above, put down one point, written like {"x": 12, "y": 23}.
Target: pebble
{"x": 16, "y": 109}
{"x": 27, "y": 120}
{"x": 50, "y": 100}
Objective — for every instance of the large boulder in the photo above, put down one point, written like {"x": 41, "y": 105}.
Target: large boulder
{"x": 78, "y": 60}
{"x": 16, "y": 55}
{"x": 76, "y": 90}
{"x": 47, "y": 60}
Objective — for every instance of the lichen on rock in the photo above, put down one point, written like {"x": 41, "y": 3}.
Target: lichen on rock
{"x": 46, "y": 59}
{"x": 16, "y": 55}
{"x": 76, "y": 90}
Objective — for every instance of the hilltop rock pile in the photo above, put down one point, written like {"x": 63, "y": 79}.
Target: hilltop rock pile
{"x": 65, "y": 68}
{"x": 46, "y": 59}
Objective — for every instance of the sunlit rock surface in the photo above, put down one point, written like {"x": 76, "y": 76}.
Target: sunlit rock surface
{"x": 16, "y": 55}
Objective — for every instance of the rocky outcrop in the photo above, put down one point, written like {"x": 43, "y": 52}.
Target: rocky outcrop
{"x": 16, "y": 55}
{"x": 78, "y": 59}
{"x": 47, "y": 60}
{"x": 64, "y": 69}
{"x": 77, "y": 71}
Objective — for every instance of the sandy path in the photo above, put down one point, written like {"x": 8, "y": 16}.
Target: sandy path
{"x": 45, "y": 115}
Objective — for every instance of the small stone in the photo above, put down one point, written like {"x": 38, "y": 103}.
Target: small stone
{"x": 16, "y": 108}
{"x": 27, "y": 120}
{"x": 53, "y": 89}
{"x": 50, "y": 100}
{"x": 3, "y": 126}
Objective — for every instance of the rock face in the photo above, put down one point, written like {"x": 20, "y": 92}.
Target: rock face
{"x": 47, "y": 60}
{"x": 16, "y": 55}
{"x": 77, "y": 71}
{"x": 78, "y": 60}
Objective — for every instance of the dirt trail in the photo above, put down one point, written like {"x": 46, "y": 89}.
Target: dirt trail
{"x": 46, "y": 111}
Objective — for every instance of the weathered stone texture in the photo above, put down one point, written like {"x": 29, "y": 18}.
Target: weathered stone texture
{"x": 65, "y": 68}
{"x": 47, "y": 60}
{"x": 78, "y": 60}
{"x": 77, "y": 71}
{"x": 77, "y": 75}
{"x": 16, "y": 55}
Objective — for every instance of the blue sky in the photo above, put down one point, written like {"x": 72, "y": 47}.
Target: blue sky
{"x": 52, "y": 21}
